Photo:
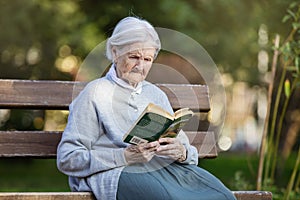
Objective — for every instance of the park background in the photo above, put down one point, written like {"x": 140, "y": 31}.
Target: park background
{"x": 49, "y": 39}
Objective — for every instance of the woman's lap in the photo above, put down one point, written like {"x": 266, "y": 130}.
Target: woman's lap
{"x": 174, "y": 181}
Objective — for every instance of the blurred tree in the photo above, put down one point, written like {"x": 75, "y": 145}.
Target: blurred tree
{"x": 33, "y": 32}
{"x": 48, "y": 39}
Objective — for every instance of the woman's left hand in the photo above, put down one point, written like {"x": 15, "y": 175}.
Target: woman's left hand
{"x": 172, "y": 148}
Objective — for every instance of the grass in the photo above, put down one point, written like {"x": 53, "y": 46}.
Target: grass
{"x": 31, "y": 175}
{"x": 236, "y": 171}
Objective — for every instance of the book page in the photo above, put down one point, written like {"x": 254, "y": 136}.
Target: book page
{"x": 158, "y": 110}
{"x": 179, "y": 123}
{"x": 181, "y": 112}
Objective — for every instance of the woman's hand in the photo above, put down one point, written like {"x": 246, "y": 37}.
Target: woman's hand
{"x": 140, "y": 153}
{"x": 172, "y": 148}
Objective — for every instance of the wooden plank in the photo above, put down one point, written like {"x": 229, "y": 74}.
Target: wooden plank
{"x": 253, "y": 195}
{"x": 187, "y": 95}
{"x": 240, "y": 195}
{"x": 29, "y": 143}
{"x": 46, "y": 196}
{"x": 37, "y": 94}
{"x": 205, "y": 143}
{"x": 44, "y": 143}
{"x": 32, "y": 94}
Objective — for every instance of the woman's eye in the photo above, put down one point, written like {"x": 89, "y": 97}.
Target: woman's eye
{"x": 134, "y": 57}
{"x": 148, "y": 59}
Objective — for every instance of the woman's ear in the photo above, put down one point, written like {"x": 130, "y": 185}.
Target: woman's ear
{"x": 114, "y": 54}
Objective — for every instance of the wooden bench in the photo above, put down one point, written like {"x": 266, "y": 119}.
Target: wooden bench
{"x": 57, "y": 95}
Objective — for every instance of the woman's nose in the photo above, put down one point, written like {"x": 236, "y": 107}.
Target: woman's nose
{"x": 139, "y": 66}
{"x": 140, "y": 62}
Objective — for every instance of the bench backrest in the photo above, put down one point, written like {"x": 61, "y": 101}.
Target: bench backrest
{"x": 57, "y": 95}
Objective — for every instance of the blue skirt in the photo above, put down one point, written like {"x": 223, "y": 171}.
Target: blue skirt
{"x": 173, "y": 181}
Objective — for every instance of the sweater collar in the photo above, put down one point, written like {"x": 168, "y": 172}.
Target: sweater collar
{"x": 112, "y": 74}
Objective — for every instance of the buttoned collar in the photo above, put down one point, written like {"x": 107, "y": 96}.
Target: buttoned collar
{"x": 112, "y": 74}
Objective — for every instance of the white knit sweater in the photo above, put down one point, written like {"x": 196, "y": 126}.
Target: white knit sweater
{"x": 91, "y": 151}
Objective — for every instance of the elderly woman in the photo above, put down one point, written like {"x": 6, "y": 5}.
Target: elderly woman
{"x": 91, "y": 151}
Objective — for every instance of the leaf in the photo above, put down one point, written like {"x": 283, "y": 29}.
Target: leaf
{"x": 285, "y": 18}
{"x": 297, "y": 84}
{"x": 293, "y": 5}
{"x": 296, "y": 25}
{"x": 291, "y": 68}
{"x": 288, "y": 46}
{"x": 287, "y": 88}
{"x": 295, "y": 75}
{"x": 297, "y": 64}
{"x": 292, "y": 14}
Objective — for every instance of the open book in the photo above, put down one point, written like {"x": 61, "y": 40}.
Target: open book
{"x": 155, "y": 122}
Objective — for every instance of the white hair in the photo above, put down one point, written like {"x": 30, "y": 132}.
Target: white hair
{"x": 132, "y": 30}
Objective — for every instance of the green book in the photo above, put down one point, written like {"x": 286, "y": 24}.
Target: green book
{"x": 155, "y": 122}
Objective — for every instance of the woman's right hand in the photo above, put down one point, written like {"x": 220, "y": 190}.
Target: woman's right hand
{"x": 141, "y": 153}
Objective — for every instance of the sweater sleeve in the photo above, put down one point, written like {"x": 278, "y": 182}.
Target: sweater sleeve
{"x": 76, "y": 155}
{"x": 192, "y": 153}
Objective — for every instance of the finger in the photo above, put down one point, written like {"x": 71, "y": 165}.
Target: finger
{"x": 132, "y": 148}
{"x": 166, "y": 140}
{"x": 142, "y": 147}
{"x": 173, "y": 154}
{"x": 154, "y": 144}
{"x": 148, "y": 147}
{"x": 147, "y": 156}
{"x": 152, "y": 149}
{"x": 172, "y": 150}
{"x": 165, "y": 148}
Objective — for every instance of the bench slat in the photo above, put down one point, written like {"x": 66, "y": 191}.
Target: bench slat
{"x": 32, "y": 94}
{"x": 253, "y": 195}
{"x": 29, "y": 143}
{"x": 46, "y": 195}
{"x": 44, "y": 143}
{"x": 240, "y": 195}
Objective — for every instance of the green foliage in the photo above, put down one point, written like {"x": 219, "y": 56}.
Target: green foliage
{"x": 226, "y": 29}
{"x": 240, "y": 182}
{"x": 288, "y": 73}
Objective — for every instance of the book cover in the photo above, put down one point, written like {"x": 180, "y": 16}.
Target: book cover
{"x": 155, "y": 122}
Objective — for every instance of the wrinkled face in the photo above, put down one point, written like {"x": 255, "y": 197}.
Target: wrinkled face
{"x": 133, "y": 62}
